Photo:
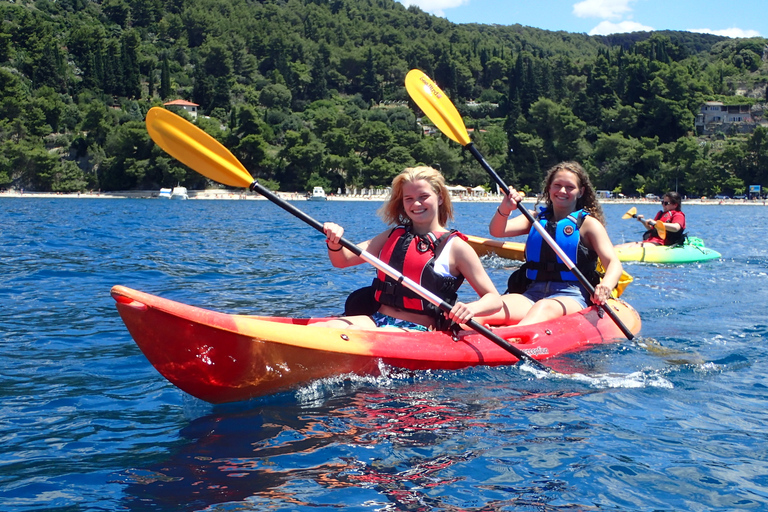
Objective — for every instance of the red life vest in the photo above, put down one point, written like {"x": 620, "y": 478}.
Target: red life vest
{"x": 414, "y": 256}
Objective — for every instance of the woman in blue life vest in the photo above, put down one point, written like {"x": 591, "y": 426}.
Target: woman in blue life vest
{"x": 671, "y": 214}
{"x": 574, "y": 219}
{"x": 421, "y": 248}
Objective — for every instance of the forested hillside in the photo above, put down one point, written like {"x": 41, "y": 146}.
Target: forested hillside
{"x": 310, "y": 93}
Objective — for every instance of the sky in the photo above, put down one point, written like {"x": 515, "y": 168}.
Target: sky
{"x": 746, "y": 18}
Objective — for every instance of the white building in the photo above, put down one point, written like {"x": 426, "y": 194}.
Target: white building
{"x": 186, "y": 106}
{"x": 715, "y": 116}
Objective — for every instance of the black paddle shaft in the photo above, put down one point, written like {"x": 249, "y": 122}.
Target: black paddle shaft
{"x": 394, "y": 274}
{"x": 583, "y": 280}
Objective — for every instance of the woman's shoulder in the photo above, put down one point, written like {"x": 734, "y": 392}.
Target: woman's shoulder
{"x": 460, "y": 248}
{"x": 590, "y": 223}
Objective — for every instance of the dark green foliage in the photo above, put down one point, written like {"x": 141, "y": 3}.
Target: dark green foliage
{"x": 311, "y": 94}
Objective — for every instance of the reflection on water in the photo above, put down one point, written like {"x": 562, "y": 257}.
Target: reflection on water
{"x": 402, "y": 449}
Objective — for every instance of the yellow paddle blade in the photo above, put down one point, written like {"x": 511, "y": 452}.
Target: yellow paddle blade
{"x": 196, "y": 149}
{"x": 632, "y": 212}
{"x": 624, "y": 280}
{"x": 436, "y": 105}
{"x": 661, "y": 229}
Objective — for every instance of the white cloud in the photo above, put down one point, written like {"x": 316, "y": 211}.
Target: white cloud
{"x": 435, "y": 6}
{"x": 728, "y": 32}
{"x": 606, "y": 27}
{"x": 605, "y": 9}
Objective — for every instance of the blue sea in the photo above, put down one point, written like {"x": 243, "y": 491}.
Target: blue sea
{"x": 674, "y": 420}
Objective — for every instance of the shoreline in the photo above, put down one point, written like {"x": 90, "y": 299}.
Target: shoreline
{"x": 225, "y": 195}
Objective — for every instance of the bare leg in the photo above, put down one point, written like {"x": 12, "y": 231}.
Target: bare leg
{"x": 548, "y": 309}
{"x": 514, "y": 309}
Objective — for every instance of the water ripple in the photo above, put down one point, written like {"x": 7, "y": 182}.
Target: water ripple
{"x": 673, "y": 420}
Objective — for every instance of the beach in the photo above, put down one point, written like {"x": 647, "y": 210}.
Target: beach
{"x": 221, "y": 194}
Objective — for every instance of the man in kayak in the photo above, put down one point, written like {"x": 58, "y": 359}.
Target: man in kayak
{"x": 671, "y": 214}
{"x": 544, "y": 289}
{"x": 422, "y": 249}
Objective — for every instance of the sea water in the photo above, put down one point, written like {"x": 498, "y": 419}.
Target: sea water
{"x": 673, "y": 420}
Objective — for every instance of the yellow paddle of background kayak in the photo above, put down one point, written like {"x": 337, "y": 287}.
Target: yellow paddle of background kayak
{"x": 433, "y": 102}
{"x": 661, "y": 229}
{"x": 193, "y": 147}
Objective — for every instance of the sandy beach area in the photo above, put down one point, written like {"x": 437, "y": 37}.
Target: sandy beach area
{"x": 219, "y": 194}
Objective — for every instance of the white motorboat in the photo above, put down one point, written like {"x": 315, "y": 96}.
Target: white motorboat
{"x": 318, "y": 194}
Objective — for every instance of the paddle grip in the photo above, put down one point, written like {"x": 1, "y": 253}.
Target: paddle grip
{"x": 550, "y": 241}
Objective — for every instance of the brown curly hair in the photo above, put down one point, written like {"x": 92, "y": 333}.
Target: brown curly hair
{"x": 588, "y": 201}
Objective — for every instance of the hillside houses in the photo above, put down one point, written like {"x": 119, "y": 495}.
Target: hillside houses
{"x": 715, "y": 116}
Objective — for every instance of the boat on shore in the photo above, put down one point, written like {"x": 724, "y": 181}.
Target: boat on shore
{"x": 179, "y": 193}
{"x": 318, "y": 194}
{"x": 220, "y": 357}
{"x": 173, "y": 193}
{"x": 690, "y": 251}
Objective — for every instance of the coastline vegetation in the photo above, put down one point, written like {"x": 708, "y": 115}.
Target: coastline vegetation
{"x": 310, "y": 93}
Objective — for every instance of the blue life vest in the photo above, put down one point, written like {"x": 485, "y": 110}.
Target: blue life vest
{"x": 543, "y": 263}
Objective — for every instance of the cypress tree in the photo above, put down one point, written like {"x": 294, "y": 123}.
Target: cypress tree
{"x": 165, "y": 79}
{"x": 151, "y": 80}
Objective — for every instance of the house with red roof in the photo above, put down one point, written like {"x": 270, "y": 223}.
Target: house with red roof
{"x": 187, "y": 106}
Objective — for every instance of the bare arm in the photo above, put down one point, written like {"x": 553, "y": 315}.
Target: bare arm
{"x": 340, "y": 256}
{"x": 647, "y": 224}
{"x": 502, "y": 225}
{"x": 465, "y": 261}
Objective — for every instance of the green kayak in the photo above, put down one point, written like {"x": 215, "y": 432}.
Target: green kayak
{"x": 691, "y": 251}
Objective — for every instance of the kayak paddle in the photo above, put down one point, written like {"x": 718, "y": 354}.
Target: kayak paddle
{"x": 441, "y": 111}
{"x": 632, "y": 212}
{"x": 661, "y": 229}
{"x": 193, "y": 147}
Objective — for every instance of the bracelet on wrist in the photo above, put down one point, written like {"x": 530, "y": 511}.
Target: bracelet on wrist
{"x": 499, "y": 212}
{"x": 334, "y": 250}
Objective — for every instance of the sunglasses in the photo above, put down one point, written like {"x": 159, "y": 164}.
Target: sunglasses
{"x": 665, "y": 203}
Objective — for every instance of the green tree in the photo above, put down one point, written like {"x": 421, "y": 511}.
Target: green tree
{"x": 301, "y": 155}
{"x": 374, "y": 140}
{"x": 276, "y": 96}
{"x": 165, "y": 79}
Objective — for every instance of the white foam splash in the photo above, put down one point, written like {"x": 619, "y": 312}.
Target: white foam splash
{"x": 639, "y": 379}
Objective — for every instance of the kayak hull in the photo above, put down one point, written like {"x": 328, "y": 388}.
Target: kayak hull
{"x": 691, "y": 251}
{"x": 220, "y": 357}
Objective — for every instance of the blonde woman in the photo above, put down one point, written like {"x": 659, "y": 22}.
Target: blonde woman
{"x": 421, "y": 248}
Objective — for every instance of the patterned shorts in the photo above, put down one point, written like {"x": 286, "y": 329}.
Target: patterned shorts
{"x": 382, "y": 320}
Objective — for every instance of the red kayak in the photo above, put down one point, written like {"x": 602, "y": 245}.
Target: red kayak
{"x": 220, "y": 357}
